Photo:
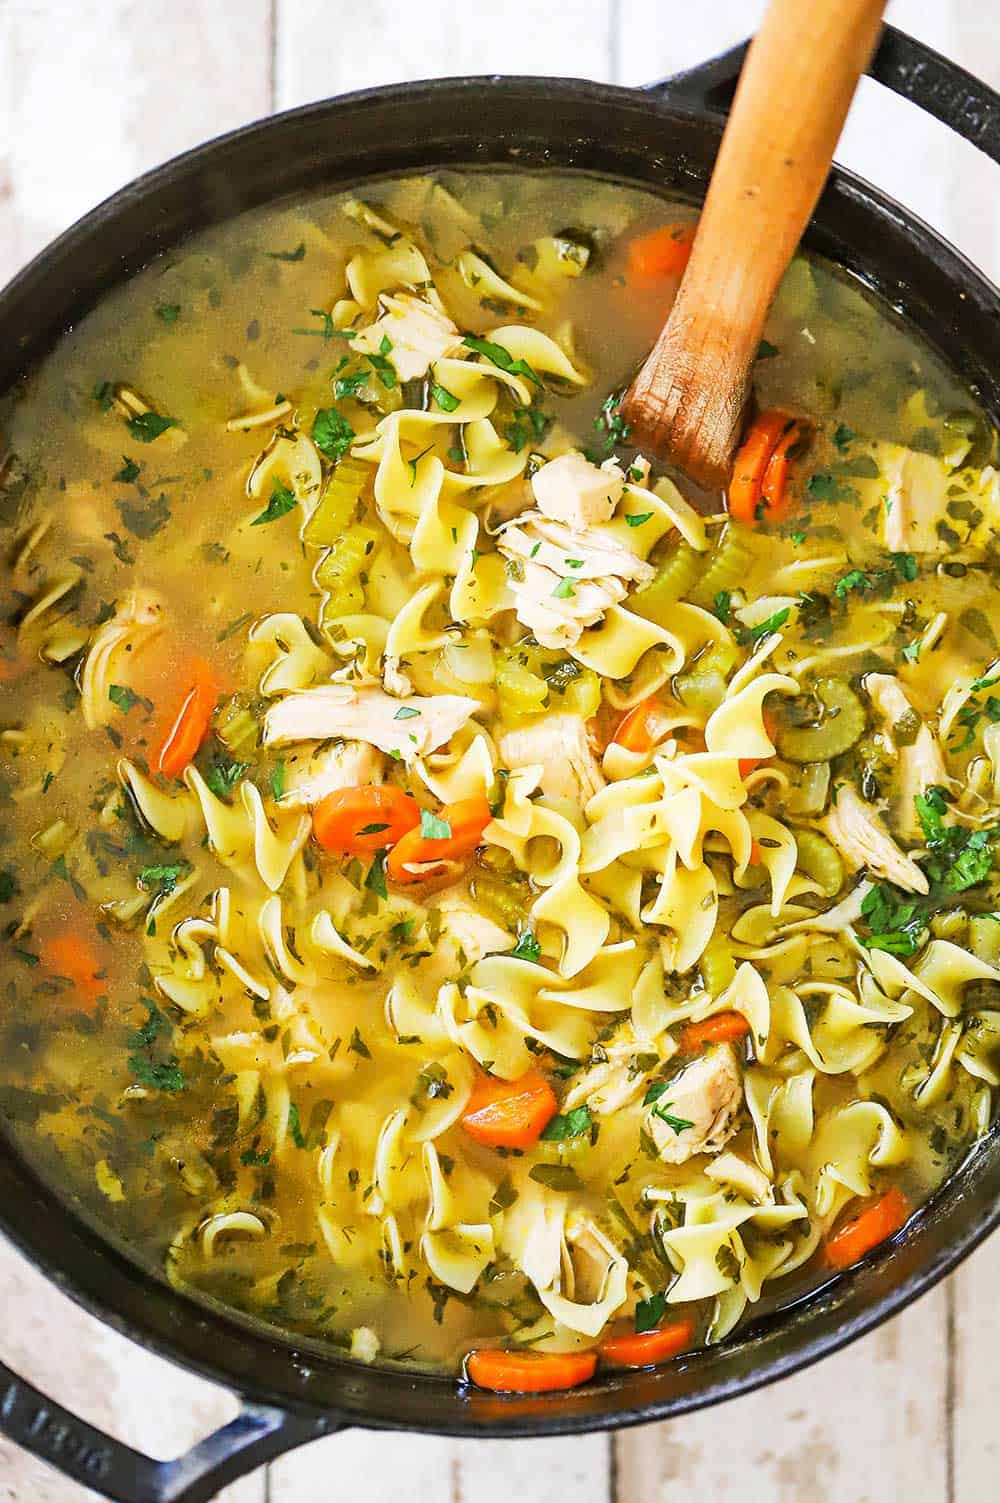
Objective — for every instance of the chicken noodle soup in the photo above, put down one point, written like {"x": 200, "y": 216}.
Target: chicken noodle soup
{"x": 463, "y": 891}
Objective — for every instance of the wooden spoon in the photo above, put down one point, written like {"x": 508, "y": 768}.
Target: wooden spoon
{"x": 688, "y": 400}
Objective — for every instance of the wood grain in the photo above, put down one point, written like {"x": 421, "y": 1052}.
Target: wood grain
{"x": 911, "y": 1411}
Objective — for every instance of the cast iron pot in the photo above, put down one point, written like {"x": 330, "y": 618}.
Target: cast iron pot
{"x": 666, "y": 137}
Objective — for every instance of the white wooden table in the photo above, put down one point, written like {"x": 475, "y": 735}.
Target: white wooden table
{"x": 93, "y": 92}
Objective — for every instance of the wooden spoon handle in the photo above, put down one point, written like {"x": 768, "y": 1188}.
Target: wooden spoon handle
{"x": 791, "y": 103}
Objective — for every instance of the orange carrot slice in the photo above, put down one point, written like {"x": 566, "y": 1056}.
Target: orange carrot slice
{"x": 644, "y": 726}
{"x": 722, "y": 1028}
{"x": 529, "y": 1372}
{"x": 664, "y": 252}
{"x": 882, "y": 1218}
{"x": 180, "y": 745}
{"x": 359, "y": 821}
{"x": 766, "y": 431}
{"x": 72, "y": 956}
{"x": 626, "y": 1348}
{"x": 456, "y": 834}
{"x": 510, "y": 1113}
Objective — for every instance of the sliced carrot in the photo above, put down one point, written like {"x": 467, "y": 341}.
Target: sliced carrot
{"x": 763, "y": 436}
{"x": 882, "y": 1218}
{"x": 73, "y": 957}
{"x": 627, "y": 1348}
{"x": 190, "y": 726}
{"x": 755, "y": 853}
{"x": 722, "y": 1028}
{"x": 529, "y": 1372}
{"x": 747, "y": 765}
{"x": 644, "y": 726}
{"x": 774, "y": 485}
{"x": 356, "y": 821}
{"x": 510, "y": 1113}
{"x": 662, "y": 253}
{"x": 466, "y": 820}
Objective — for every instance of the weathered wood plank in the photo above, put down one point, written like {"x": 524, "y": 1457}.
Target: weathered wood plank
{"x": 866, "y": 1425}
{"x": 136, "y": 85}
{"x": 322, "y": 51}
{"x": 975, "y": 1396}
{"x": 104, "y": 1378}
{"x": 433, "y": 1469}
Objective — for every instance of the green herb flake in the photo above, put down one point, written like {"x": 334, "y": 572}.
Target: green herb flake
{"x": 277, "y": 778}
{"x": 446, "y": 400}
{"x": 406, "y": 712}
{"x": 129, "y": 471}
{"x": 298, "y": 254}
{"x": 527, "y": 948}
{"x": 375, "y": 880}
{"x": 122, "y": 697}
{"x": 331, "y": 433}
{"x": 564, "y": 590}
{"x": 501, "y": 358}
{"x": 147, "y": 426}
{"x": 168, "y": 313}
{"x": 636, "y": 518}
{"x": 432, "y": 827}
{"x": 281, "y": 503}
{"x": 574, "y": 1124}
{"x": 649, "y": 1312}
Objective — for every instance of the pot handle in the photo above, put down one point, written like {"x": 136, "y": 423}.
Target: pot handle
{"x": 901, "y": 63}
{"x": 114, "y": 1470}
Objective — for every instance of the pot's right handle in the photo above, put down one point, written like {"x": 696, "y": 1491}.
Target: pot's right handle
{"x": 901, "y": 63}
{"x": 116, "y": 1471}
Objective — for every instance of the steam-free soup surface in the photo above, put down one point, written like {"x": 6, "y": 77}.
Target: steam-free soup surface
{"x": 459, "y": 894}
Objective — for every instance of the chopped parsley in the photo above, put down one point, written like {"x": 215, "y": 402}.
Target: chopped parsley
{"x": 612, "y": 430}
{"x": 843, "y": 437}
{"x": 277, "y": 778}
{"x": 382, "y": 365}
{"x": 129, "y": 471}
{"x": 446, "y": 400}
{"x": 661, "y": 1109}
{"x": 331, "y": 433}
{"x": 147, "y": 426}
{"x": 721, "y": 606}
{"x": 350, "y": 385}
{"x": 822, "y": 486}
{"x": 556, "y": 1177}
{"x": 527, "y": 948}
{"x": 746, "y": 634}
{"x": 636, "y": 518}
{"x": 223, "y": 776}
{"x": 162, "y": 879}
{"x": 406, "y": 712}
{"x": 281, "y": 503}
{"x": 649, "y": 1313}
{"x": 168, "y": 313}
{"x": 501, "y": 358}
{"x": 564, "y": 590}
{"x": 574, "y": 1124}
{"x": 298, "y": 254}
{"x": 766, "y": 350}
{"x": 122, "y": 697}
{"x": 432, "y": 827}
{"x": 375, "y": 880}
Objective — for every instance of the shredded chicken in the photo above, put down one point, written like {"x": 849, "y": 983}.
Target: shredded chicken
{"x": 916, "y": 499}
{"x": 707, "y": 1095}
{"x": 619, "y": 1078}
{"x": 920, "y": 761}
{"x": 565, "y": 572}
{"x": 417, "y": 332}
{"x": 861, "y": 837}
{"x": 468, "y": 929}
{"x": 560, "y": 745}
{"x": 570, "y": 489}
{"x": 405, "y": 728}
{"x": 311, "y": 772}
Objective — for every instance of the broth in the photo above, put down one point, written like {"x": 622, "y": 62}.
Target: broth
{"x": 584, "y": 1051}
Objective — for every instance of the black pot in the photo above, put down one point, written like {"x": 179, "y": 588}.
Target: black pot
{"x": 666, "y": 137}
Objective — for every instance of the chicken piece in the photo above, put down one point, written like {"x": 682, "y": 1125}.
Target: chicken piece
{"x": 418, "y": 333}
{"x": 920, "y": 760}
{"x": 706, "y": 1096}
{"x": 469, "y": 930}
{"x": 564, "y": 580}
{"x": 405, "y": 728}
{"x": 559, "y": 744}
{"x": 861, "y": 837}
{"x": 739, "y": 1174}
{"x": 570, "y": 489}
{"x": 916, "y": 499}
{"x": 314, "y": 771}
{"x": 622, "y": 1076}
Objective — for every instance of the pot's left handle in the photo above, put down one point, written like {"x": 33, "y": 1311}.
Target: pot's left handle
{"x": 258, "y": 1434}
